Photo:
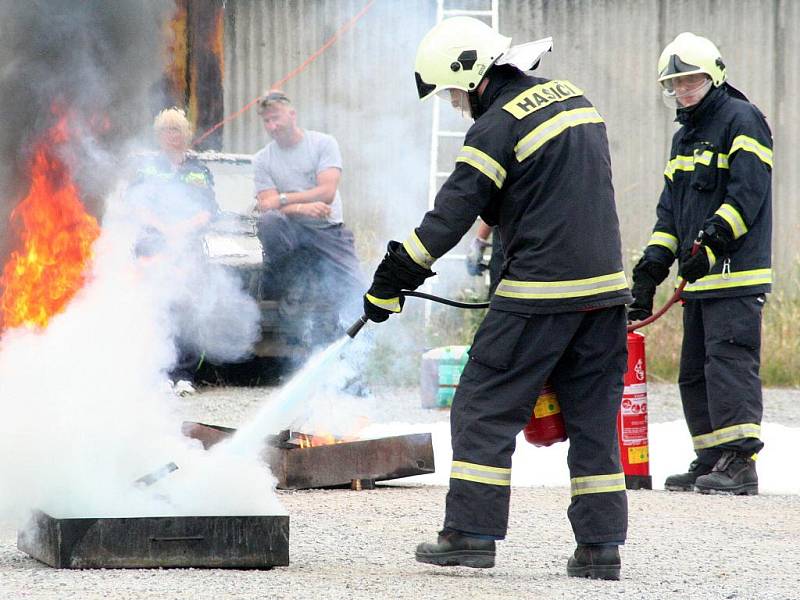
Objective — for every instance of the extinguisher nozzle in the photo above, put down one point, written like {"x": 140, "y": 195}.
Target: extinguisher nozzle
{"x": 353, "y": 330}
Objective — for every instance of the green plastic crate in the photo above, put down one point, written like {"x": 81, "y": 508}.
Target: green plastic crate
{"x": 439, "y": 375}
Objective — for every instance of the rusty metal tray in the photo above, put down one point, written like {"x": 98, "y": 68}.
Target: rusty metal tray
{"x": 333, "y": 465}
{"x": 222, "y": 542}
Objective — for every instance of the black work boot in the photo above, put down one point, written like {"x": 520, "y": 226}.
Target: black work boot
{"x": 734, "y": 473}
{"x": 455, "y": 549}
{"x": 684, "y": 482}
{"x": 594, "y": 562}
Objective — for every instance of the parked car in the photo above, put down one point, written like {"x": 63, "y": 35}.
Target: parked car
{"x": 300, "y": 317}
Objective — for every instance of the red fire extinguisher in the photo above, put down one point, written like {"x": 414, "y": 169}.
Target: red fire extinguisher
{"x": 632, "y": 418}
{"x": 546, "y": 426}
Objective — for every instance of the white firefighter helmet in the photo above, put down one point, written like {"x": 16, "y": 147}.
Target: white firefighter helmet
{"x": 456, "y": 54}
{"x": 688, "y": 54}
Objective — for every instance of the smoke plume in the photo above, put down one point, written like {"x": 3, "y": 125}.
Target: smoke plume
{"x": 85, "y": 406}
{"x": 97, "y": 59}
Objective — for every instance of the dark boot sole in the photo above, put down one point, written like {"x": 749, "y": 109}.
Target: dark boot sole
{"x": 476, "y": 559}
{"x": 595, "y": 572}
{"x": 747, "y": 489}
{"x": 679, "y": 488}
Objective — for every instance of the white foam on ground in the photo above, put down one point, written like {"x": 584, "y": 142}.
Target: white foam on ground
{"x": 670, "y": 452}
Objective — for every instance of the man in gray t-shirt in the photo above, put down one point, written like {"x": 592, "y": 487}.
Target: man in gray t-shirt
{"x": 300, "y": 226}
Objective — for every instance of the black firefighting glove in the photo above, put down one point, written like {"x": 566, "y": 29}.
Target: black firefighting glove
{"x": 647, "y": 274}
{"x": 694, "y": 267}
{"x": 396, "y": 272}
{"x": 717, "y": 235}
{"x": 714, "y": 241}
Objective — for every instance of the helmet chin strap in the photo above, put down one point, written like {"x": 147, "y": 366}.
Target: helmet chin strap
{"x": 474, "y": 105}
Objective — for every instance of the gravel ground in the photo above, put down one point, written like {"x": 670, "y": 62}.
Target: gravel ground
{"x": 229, "y": 406}
{"x": 347, "y": 544}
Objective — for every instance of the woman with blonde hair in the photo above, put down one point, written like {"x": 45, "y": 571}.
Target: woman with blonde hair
{"x": 172, "y": 199}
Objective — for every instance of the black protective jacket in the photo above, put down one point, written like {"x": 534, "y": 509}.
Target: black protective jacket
{"x": 720, "y": 165}
{"x": 535, "y": 163}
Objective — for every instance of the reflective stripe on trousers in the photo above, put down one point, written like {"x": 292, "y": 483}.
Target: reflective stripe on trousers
{"x": 726, "y": 434}
{"x": 480, "y": 473}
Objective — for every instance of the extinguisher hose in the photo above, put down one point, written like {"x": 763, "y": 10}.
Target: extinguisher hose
{"x": 657, "y": 315}
{"x": 353, "y": 330}
{"x": 356, "y": 327}
{"x": 672, "y": 300}
{"x": 446, "y": 301}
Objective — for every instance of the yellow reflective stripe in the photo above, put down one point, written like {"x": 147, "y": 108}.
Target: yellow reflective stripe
{"x": 745, "y": 142}
{"x": 553, "y": 127}
{"x": 480, "y": 473}
{"x": 742, "y": 142}
{"x": 712, "y": 259}
{"x": 484, "y": 163}
{"x": 704, "y": 158}
{"x": 597, "y": 484}
{"x": 730, "y": 280}
{"x": 390, "y": 304}
{"x": 662, "y": 238}
{"x": 195, "y": 178}
{"x": 733, "y": 218}
{"x": 574, "y": 288}
{"x": 726, "y": 434}
{"x": 679, "y": 163}
{"x": 418, "y": 252}
{"x": 150, "y": 171}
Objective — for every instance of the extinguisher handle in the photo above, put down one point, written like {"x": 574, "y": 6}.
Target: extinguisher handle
{"x": 675, "y": 296}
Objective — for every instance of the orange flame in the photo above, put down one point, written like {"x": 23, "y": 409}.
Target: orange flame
{"x": 56, "y": 235}
{"x": 325, "y": 438}
{"x": 308, "y": 440}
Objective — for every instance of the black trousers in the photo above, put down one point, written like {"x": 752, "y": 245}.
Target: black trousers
{"x": 329, "y": 256}
{"x": 584, "y": 356}
{"x": 719, "y": 374}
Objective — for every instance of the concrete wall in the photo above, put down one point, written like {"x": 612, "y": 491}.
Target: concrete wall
{"x": 361, "y": 90}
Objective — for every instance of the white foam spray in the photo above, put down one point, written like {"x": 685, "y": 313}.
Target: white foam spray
{"x": 85, "y": 408}
{"x": 289, "y": 405}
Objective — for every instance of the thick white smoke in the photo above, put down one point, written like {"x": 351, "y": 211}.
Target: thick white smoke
{"x": 85, "y": 405}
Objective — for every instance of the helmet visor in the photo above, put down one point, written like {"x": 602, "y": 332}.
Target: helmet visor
{"x": 459, "y": 100}
{"x": 685, "y": 91}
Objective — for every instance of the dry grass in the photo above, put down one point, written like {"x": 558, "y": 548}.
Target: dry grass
{"x": 780, "y": 352}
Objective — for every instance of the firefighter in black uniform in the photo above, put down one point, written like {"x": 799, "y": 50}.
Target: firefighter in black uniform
{"x": 717, "y": 182}
{"x": 536, "y": 164}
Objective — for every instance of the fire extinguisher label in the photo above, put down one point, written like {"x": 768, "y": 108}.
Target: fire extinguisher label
{"x": 638, "y": 455}
{"x": 634, "y": 418}
{"x": 546, "y": 405}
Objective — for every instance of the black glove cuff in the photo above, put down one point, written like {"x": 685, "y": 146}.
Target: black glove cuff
{"x": 717, "y": 235}
{"x": 650, "y": 270}
{"x": 407, "y": 273}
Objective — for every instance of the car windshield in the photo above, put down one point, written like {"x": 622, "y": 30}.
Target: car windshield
{"x": 233, "y": 182}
